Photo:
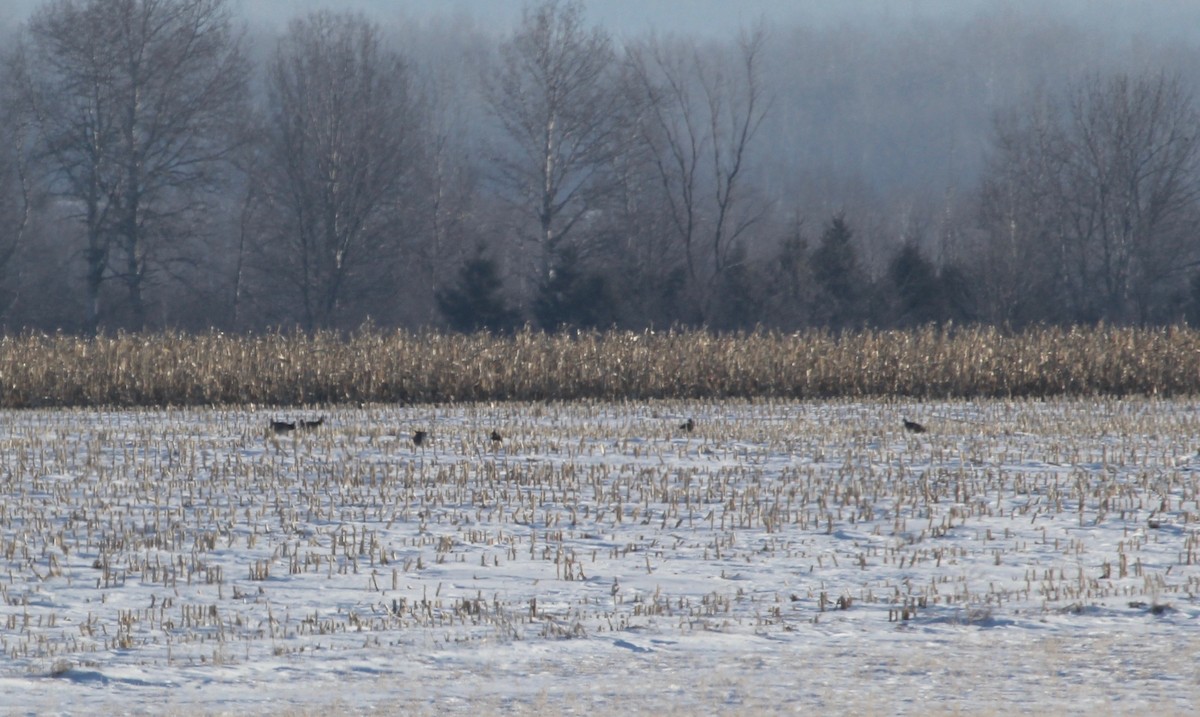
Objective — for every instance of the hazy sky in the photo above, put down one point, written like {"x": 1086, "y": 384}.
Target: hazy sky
{"x": 621, "y": 17}
{"x": 631, "y": 17}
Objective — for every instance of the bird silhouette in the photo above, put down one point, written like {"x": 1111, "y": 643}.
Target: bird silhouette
{"x": 282, "y": 426}
{"x": 496, "y": 437}
{"x": 689, "y": 426}
{"x": 419, "y": 438}
{"x": 310, "y": 425}
{"x": 913, "y": 426}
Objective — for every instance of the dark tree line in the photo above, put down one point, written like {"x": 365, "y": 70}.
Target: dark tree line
{"x": 162, "y": 169}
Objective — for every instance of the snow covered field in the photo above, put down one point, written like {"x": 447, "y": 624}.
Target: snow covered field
{"x": 815, "y": 558}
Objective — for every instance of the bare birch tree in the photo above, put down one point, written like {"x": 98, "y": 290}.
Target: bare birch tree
{"x": 554, "y": 94}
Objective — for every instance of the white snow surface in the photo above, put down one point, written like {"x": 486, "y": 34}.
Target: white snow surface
{"x": 783, "y": 557}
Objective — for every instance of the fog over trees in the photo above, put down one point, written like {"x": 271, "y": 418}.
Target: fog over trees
{"x": 170, "y": 164}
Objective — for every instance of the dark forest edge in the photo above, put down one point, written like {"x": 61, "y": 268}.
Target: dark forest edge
{"x": 374, "y": 366}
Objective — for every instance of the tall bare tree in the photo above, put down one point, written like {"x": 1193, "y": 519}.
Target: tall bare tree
{"x": 16, "y": 190}
{"x": 137, "y": 105}
{"x": 1091, "y": 197}
{"x": 1022, "y": 257}
{"x": 341, "y": 145}
{"x": 65, "y": 78}
{"x": 699, "y": 115}
{"x": 1133, "y": 180}
{"x": 554, "y": 94}
{"x": 449, "y": 173}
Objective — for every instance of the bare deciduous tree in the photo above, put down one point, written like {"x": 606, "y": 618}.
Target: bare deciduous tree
{"x": 1090, "y": 199}
{"x": 699, "y": 114}
{"x": 1133, "y": 184}
{"x": 554, "y": 94}
{"x": 16, "y": 190}
{"x": 449, "y": 176}
{"x": 65, "y": 78}
{"x": 341, "y": 144}
{"x": 136, "y": 103}
{"x": 1021, "y": 275}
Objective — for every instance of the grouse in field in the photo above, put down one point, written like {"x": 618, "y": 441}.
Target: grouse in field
{"x": 496, "y": 437}
{"x": 419, "y": 438}
{"x": 913, "y": 426}
{"x": 689, "y": 426}
{"x": 283, "y": 426}
{"x": 310, "y": 425}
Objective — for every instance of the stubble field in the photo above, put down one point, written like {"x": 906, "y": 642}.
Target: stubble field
{"x": 781, "y": 557}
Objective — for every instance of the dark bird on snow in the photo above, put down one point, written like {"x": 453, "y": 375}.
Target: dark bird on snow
{"x": 282, "y": 426}
{"x": 310, "y": 425}
{"x": 496, "y": 437}
{"x": 419, "y": 438}
{"x": 689, "y": 426}
{"x": 913, "y": 426}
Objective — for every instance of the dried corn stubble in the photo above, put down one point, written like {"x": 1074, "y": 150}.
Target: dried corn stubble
{"x": 162, "y": 534}
{"x": 389, "y": 367}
